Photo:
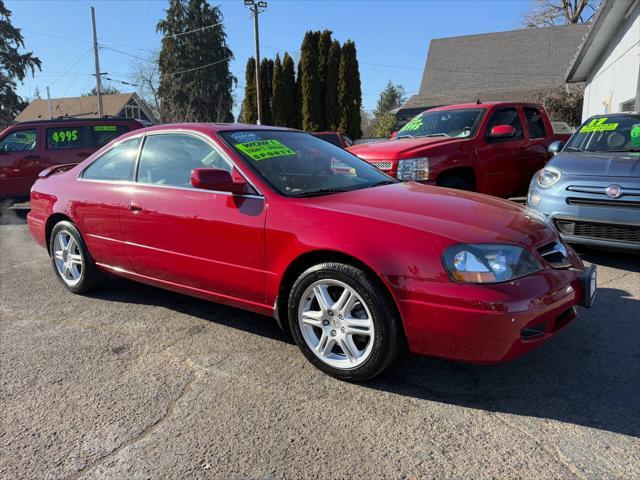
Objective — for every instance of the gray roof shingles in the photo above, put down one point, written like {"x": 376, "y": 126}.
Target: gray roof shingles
{"x": 511, "y": 66}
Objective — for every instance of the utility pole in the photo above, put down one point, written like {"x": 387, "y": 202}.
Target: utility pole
{"x": 97, "y": 63}
{"x": 257, "y": 9}
{"x": 49, "y": 100}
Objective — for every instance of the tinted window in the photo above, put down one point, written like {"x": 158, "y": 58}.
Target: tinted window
{"x": 103, "y": 134}
{"x": 115, "y": 164}
{"x": 507, "y": 116}
{"x": 168, "y": 159}
{"x": 19, "y": 141}
{"x": 299, "y": 164}
{"x": 535, "y": 123}
{"x": 63, "y": 138}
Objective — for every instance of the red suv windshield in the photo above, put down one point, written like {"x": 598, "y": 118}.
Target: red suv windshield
{"x": 460, "y": 123}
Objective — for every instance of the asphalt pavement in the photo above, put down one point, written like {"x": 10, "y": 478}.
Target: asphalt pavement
{"x": 136, "y": 382}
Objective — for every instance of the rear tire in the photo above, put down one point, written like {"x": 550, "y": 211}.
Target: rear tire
{"x": 343, "y": 322}
{"x": 457, "y": 183}
{"x": 72, "y": 261}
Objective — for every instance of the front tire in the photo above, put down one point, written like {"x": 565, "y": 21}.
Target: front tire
{"x": 343, "y": 321}
{"x": 71, "y": 260}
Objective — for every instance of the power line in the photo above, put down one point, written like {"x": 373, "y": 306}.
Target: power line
{"x": 71, "y": 67}
{"x": 170, "y": 74}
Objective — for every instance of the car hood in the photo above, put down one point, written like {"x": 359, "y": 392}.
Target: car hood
{"x": 453, "y": 215}
{"x": 602, "y": 164}
{"x": 397, "y": 148}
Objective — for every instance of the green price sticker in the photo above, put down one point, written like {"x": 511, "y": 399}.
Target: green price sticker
{"x": 105, "y": 128}
{"x": 635, "y": 135}
{"x": 599, "y": 125}
{"x": 415, "y": 124}
{"x": 264, "y": 149}
{"x": 65, "y": 136}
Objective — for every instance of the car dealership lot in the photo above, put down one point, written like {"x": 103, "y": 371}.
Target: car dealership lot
{"x": 137, "y": 382}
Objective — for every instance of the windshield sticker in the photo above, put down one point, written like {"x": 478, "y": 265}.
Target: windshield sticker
{"x": 635, "y": 135}
{"x": 105, "y": 128}
{"x": 599, "y": 125}
{"x": 264, "y": 149}
{"x": 67, "y": 136}
{"x": 244, "y": 137}
{"x": 415, "y": 124}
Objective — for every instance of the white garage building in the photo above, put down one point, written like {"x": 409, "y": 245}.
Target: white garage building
{"x": 608, "y": 60}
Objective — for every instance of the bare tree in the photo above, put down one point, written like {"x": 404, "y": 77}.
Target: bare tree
{"x": 145, "y": 72}
{"x": 548, "y": 13}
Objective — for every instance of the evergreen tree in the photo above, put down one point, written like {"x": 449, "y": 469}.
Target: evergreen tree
{"x": 349, "y": 92}
{"x": 36, "y": 94}
{"x": 289, "y": 89}
{"x": 331, "y": 105}
{"x": 298, "y": 123}
{"x": 324, "y": 47}
{"x": 278, "y": 114}
{"x": 266, "y": 79}
{"x": 310, "y": 83}
{"x": 195, "y": 81}
{"x": 391, "y": 97}
{"x": 14, "y": 66}
{"x": 250, "y": 104}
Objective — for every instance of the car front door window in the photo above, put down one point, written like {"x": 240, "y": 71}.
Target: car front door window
{"x": 19, "y": 141}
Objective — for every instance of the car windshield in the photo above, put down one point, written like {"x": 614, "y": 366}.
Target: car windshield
{"x": 297, "y": 164}
{"x": 619, "y": 133}
{"x": 459, "y": 123}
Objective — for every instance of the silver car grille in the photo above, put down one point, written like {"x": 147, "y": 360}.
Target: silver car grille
{"x": 382, "y": 165}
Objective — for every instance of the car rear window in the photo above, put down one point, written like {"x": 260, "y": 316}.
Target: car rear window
{"x": 103, "y": 134}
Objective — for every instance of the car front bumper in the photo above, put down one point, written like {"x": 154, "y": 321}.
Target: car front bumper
{"x": 494, "y": 323}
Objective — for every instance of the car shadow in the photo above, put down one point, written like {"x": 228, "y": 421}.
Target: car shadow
{"x": 629, "y": 261}
{"x": 588, "y": 375}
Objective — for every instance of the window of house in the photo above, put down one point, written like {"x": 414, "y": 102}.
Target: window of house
{"x": 534, "y": 122}
{"x": 507, "y": 116}
{"x": 628, "y": 106}
{"x": 117, "y": 163}
{"x": 168, "y": 159}
{"x": 67, "y": 137}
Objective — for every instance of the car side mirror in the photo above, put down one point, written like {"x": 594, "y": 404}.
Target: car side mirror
{"x": 555, "y": 147}
{"x": 502, "y": 131}
{"x": 216, "y": 179}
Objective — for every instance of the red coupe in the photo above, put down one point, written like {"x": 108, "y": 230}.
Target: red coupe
{"x": 355, "y": 263}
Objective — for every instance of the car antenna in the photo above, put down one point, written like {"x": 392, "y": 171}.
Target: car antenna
{"x": 478, "y": 102}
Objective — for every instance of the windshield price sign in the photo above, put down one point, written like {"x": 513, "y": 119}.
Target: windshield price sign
{"x": 264, "y": 149}
{"x": 599, "y": 125}
{"x": 414, "y": 124}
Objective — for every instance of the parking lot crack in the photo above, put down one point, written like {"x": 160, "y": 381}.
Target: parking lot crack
{"x": 149, "y": 429}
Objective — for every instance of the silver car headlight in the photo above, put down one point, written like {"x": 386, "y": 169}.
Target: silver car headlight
{"x": 548, "y": 176}
{"x": 486, "y": 263}
{"x": 413, "y": 169}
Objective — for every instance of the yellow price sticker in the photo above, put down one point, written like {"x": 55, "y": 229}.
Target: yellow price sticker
{"x": 264, "y": 149}
{"x": 599, "y": 125}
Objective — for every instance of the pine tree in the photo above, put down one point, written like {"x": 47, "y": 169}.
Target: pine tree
{"x": 14, "y": 66}
{"x": 250, "y": 104}
{"x": 331, "y": 105}
{"x": 324, "y": 47}
{"x": 289, "y": 92}
{"x": 278, "y": 115}
{"x": 266, "y": 79}
{"x": 195, "y": 81}
{"x": 349, "y": 92}
{"x": 310, "y": 84}
{"x": 391, "y": 97}
{"x": 298, "y": 119}
{"x": 36, "y": 94}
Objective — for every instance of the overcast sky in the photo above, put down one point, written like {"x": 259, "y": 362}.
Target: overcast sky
{"x": 392, "y": 37}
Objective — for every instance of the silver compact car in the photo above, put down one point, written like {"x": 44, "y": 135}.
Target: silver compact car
{"x": 590, "y": 189}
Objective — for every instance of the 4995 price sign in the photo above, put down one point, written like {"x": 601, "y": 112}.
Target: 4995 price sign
{"x": 65, "y": 136}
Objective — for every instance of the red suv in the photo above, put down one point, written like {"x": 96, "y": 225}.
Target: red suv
{"x": 28, "y": 148}
{"x": 492, "y": 148}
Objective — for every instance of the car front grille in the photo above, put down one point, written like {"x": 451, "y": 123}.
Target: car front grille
{"x": 382, "y": 165}
{"x": 603, "y": 231}
{"x": 588, "y": 202}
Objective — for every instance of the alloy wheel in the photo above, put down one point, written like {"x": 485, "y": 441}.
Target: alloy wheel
{"x": 336, "y": 324}
{"x": 68, "y": 258}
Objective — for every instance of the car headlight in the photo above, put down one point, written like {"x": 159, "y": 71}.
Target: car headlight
{"x": 485, "y": 263}
{"x": 548, "y": 177}
{"x": 413, "y": 169}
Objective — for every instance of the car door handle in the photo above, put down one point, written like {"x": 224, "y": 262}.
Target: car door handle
{"x": 134, "y": 207}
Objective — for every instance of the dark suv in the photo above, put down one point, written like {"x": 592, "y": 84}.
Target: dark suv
{"x": 27, "y": 148}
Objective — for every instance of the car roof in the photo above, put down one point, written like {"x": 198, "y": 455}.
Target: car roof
{"x": 74, "y": 120}
{"x": 211, "y": 127}
{"x": 616, "y": 115}
{"x": 482, "y": 105}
